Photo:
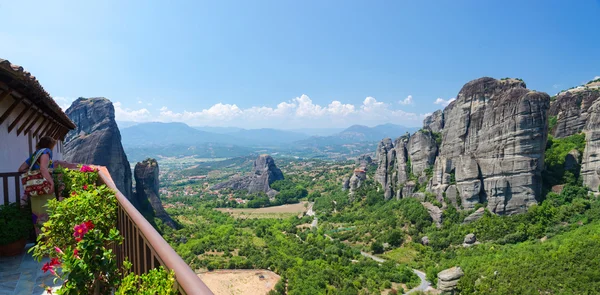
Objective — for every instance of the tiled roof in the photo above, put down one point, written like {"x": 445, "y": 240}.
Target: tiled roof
{"x": 26, "y": 84}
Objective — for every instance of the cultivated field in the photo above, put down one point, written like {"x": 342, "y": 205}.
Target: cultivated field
{"x": 283, "y": 211}
{"x": 240, "y": 282}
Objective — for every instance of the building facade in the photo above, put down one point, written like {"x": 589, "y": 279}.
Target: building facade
{"x": 27, "y": 112}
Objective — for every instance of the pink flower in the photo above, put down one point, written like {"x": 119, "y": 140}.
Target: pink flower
{"x": 85, "y": 187}
{"x": 82, "y": 229}
{"x": 85, "y": 168}
{"x": 46, "y": 267}
{"x": 54, "y": 262}
{"x": 76, "y": 253}
{"x": 58, "y": 250}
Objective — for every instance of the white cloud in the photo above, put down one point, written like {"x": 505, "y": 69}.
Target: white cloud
{"x": 63, "y": 102}
{"x": 408, "y": 100}
{"x": 298, "y": 112}
{"x": 140, "y": 102}
{"x": 125, "y": 114}
{"x": 444, "y": 102}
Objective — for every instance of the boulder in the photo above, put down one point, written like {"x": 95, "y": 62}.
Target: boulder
{"x": 97, "y": 141}
{"x": 435, "y": 212}
{"x": 448, "y": 279}
{"x": 470, "y": 239}
{"x": 474, "y": 216}
{"x": 425, "y": 240}
{"x": 146, "y": 186}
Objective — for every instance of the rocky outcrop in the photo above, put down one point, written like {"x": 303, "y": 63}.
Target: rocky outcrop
{"x": 474, "y": 216}
{"x": 571, "y": 109}
{"x": 346, "y": 183}
{"x": 265, "y": 172}
{"x": 422, "y": 150}
{"x": 97, "y": 140}
{"x": 469, "y": 240}
{"x": 407, "y": 156}
{"x": 448, "y": 279}
{"x": 146, "y": 186}
{"x": 435, "y": 121}
{"x": 590, "y": 163}
{"x": 493, "y": 144}
{"x": 435, "y": 213}
{"x": 364, "y": 161}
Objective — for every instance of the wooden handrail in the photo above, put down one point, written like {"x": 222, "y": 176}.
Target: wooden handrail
{"x": 188, "y": 282}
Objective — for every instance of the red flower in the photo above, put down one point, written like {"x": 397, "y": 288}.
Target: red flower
{"x": 49, "y": 290}
{"x": 85, "y": 187}
{"x": 76, "y": 253}
{"x": 77, "y": 239}
{"x": 46, "y": 267}
{"x": 54, "y": 262}
{"x": 73, "y": 193}
{"x": 89, "y": 224}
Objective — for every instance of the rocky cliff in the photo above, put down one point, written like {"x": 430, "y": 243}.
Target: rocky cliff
{"x": 265, "y": 172}
{"x": 578, "y": 110}
{"x": 97, "y": 140}
{"x": 487, "y": 146}
{"x": 146, "y": 195}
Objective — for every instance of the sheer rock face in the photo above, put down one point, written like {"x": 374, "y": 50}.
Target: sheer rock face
{"x": 435, "y": 213}
{"x": 265, "y": 172}
{"x": 493, "y": 142}
{"x": 422, "y": 150}
{"x": 571, "y": 109}
{"x": 590, "y": 164}
{"x": 435, "y": 121}
{"x": 492, "y": 150}
{"x": 146, "y": 186}
{"x": 97, "y": 140}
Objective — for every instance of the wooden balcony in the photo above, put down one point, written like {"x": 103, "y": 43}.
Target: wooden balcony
{"x": 142, "y": 245}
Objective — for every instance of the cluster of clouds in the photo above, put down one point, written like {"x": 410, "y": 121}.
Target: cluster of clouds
{"x": 300, "y": 112}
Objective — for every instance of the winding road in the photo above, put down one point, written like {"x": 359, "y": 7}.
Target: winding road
{"x": 424, "y": 286}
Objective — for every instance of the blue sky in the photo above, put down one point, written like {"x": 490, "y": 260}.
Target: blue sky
{"x": 291, "y": 64}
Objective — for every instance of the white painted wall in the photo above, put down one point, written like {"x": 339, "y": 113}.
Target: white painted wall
{"x": 14, "y": 150}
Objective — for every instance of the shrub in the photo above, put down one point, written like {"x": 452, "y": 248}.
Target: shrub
{"x": 156, "y": 281}
{"x": 15, "y": 223}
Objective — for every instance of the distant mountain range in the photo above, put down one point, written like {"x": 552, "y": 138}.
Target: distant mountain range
{"x": 360, "y": 133}
{"x": 178, "y": 139}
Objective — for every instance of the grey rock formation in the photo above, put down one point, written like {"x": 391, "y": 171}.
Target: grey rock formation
{"x": 364, "y": 161}
{"x": 470, "y": 239}
{"x": 572, "y": 161}
{"x": 346, "y": 183}
{"x": 571, "y": 109}
{"x": 435, "y": 121}
{"x": 590, "y": 164}
{"x": 474, "y": 216}
{"x": 146, "y": 186}
{"x": 97, "y": 140}
{"x": 493, "y": 141}
{"x": 265, "y": 172}
{"x": 452, "y": 195}
{"x": 435, "y": 213}
{"x": 422, "y": 150}
{"x": 356, "y": 180}
{"x": 448, "y": 279}
{"x": 425, "y": 240}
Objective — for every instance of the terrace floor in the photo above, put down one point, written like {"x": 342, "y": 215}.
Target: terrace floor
{"x": 23, "y": 275}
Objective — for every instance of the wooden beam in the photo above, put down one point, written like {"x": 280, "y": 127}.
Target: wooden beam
{"x": 64, "y": 133}
{"x": 35, "y": 111}
{"x": 49, "y": 131}
{"x": 9, "y": 110}
{"x": 5, "y": 94}
{"x": 54, "y": 131}
{"x": 16, "y": 121}
{"x": 39, "y": 128}
{"x": 48, "y": 127}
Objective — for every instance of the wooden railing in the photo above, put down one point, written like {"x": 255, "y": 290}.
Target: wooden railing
{"x": 145, "y": 248}
{"x": 11, "y": 185}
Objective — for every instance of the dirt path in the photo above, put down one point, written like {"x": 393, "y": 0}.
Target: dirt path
{"x": 240, "y": 282}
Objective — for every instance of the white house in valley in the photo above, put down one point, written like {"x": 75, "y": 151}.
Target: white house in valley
{"x": 27, "y": 112}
